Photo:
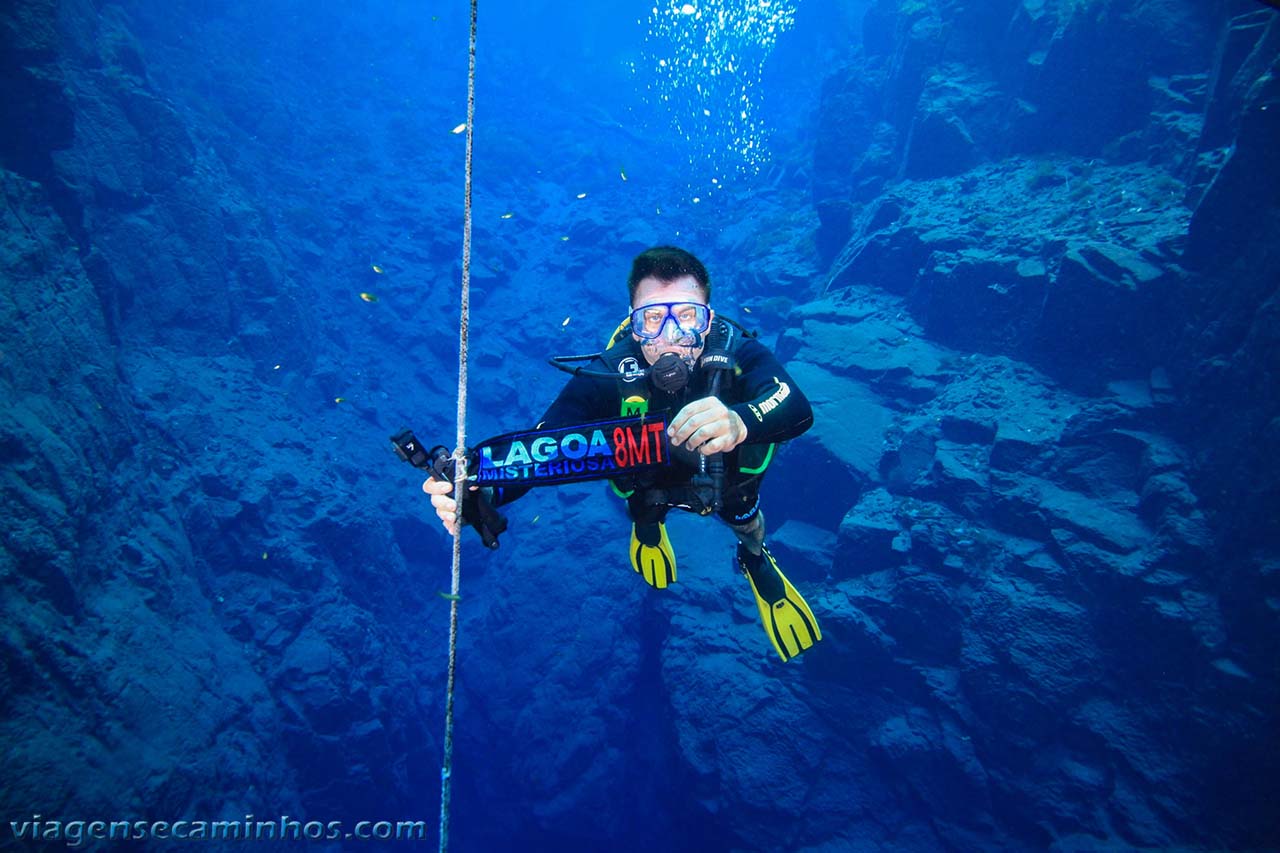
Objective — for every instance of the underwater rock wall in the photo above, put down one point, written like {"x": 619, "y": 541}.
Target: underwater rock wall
{"x": 1047, "y": 535}
{"x": 1045, "y": 579}
{"x": 1027, "y": 278}
{"x": 177, "y": 641}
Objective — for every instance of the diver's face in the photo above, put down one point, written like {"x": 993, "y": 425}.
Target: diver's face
{"x": 683, "y": 289}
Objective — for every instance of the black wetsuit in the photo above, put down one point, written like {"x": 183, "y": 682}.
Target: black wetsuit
{"x": 761, "y": 392}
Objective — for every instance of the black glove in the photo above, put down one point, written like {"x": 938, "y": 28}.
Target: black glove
{"x": 477, "y": 510}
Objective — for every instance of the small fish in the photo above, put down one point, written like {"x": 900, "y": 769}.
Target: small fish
{"x": 507, "y": 215}
{"x": 566, "y": 321}
{"x": 377, "y": 269}
{"x": 535, "y": 519}
{"x": 448, "y": 596}
{"x": 622, "y": 173}
{"x": 368, "y": 297}
{"x": 745, "y": 308}
{"x": 339, "y": 399}
{"x": 564, "y": 238}
{"x": 264, "y": 555}
{"x": 582, "y": 195}
{"x": 459, "y": 129}
{"x": 277, "y": 367}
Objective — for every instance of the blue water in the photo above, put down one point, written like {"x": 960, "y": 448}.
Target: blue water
{"x": 1019, "y": 256}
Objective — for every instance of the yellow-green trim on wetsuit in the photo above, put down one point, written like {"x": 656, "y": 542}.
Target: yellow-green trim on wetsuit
{"x": 768, "y": 457}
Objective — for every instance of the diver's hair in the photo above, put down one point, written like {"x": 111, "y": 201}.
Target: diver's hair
{"x": 666, "y": 263}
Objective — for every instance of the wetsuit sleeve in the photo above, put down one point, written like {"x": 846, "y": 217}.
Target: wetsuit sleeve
{"x": 773, "y": 407}
{"x": 583, "y": 399}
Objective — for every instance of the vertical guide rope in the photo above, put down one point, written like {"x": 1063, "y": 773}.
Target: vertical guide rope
{"x": 459, "y": 452}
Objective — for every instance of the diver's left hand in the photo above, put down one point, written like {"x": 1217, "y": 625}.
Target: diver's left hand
{"x": 707, "y": 426}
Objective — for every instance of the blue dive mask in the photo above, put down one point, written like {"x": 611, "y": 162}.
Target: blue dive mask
{"x": 678, "y": 319}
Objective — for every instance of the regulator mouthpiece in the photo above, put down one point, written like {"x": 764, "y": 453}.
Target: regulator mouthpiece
{"x": 669, "y": 373}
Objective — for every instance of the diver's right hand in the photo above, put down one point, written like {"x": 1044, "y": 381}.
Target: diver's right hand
{"x": 446, "y": 507}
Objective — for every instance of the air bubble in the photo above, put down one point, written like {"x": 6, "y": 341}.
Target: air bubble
{"x": 713, "y": 53}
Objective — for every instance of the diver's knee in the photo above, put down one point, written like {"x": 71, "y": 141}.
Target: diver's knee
{"x": 752, "y": 526}
{"x": 751, "y": 534}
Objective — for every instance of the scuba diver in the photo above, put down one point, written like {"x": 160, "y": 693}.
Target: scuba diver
{"x": 732, "y": 401}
